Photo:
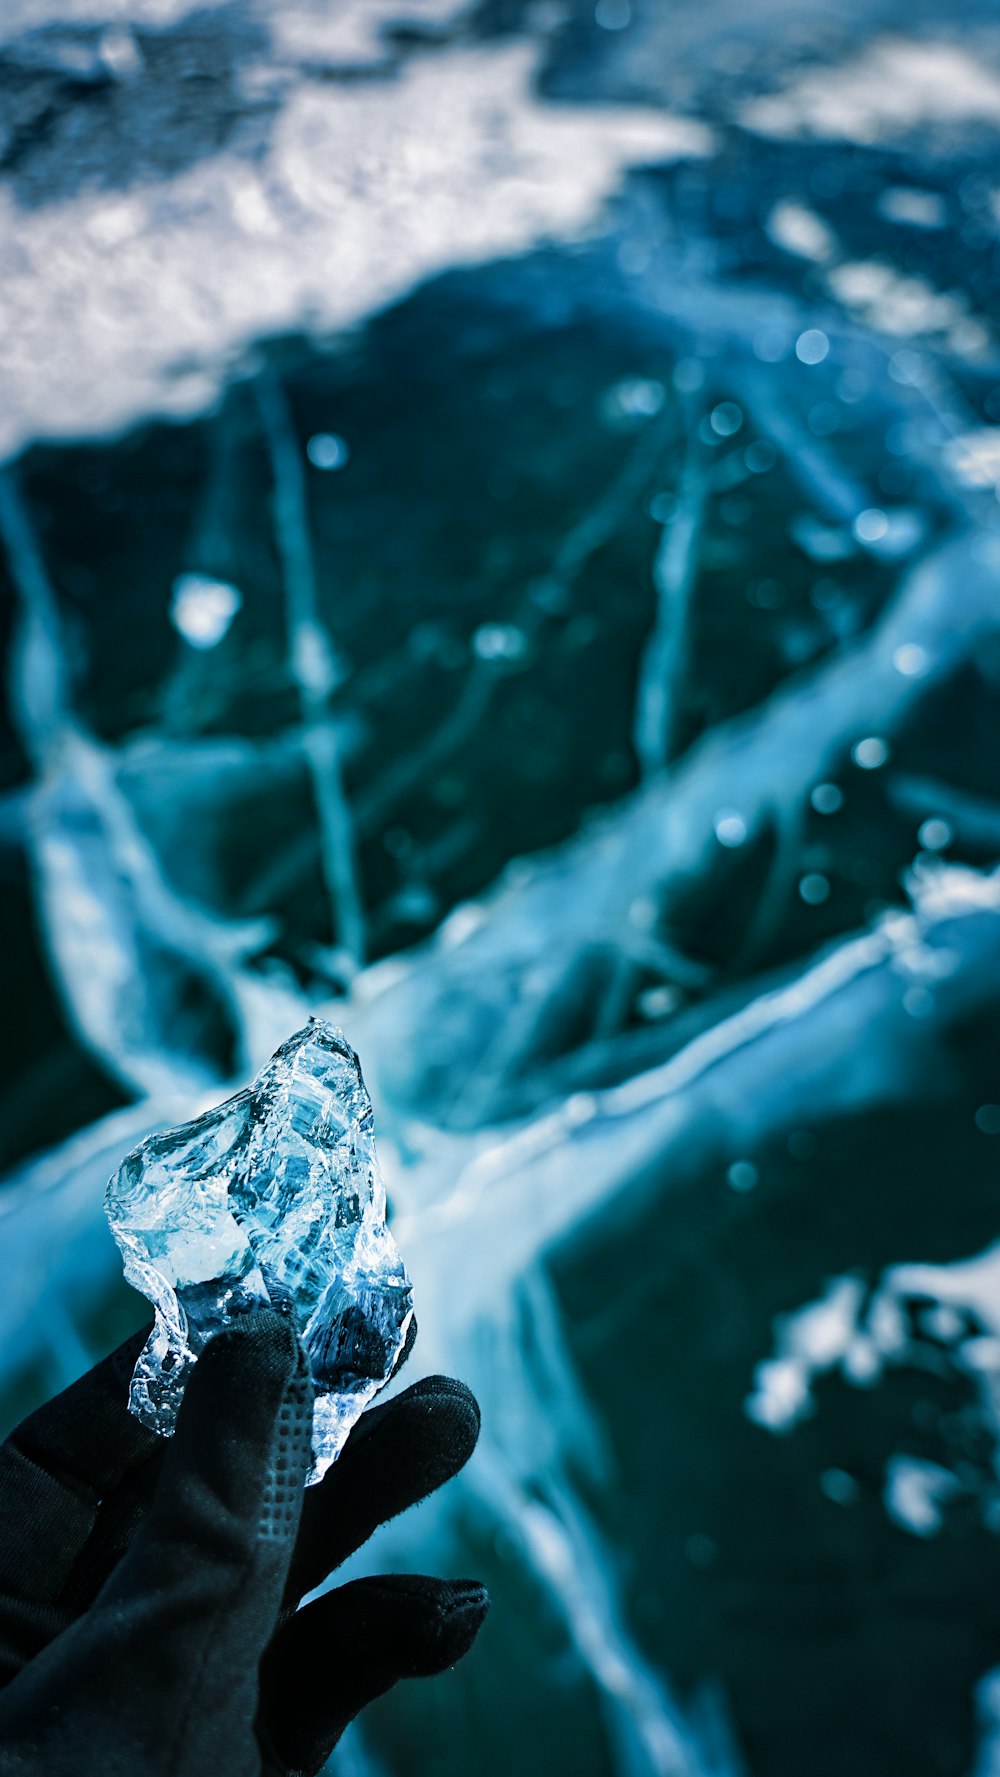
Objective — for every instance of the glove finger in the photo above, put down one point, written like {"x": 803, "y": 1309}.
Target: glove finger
{"x": 339, "y": 1653}
{"x": 124, "y": 1505}
{"x": 191, "y": 1607}
{"x": 170, "y": 1651}
{"x": 242, "y": 1438}
{"x": 56, "y": 1467}
{"x": 398, "y": 1453}
{"x": 119, "y": 1518}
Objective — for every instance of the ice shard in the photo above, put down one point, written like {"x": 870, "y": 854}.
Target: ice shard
{"x": 276, "y": 1197}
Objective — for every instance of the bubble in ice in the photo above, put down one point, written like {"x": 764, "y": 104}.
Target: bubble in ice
{"x": 911, "y": 660}
{"x": 638, "y": 397}
{"x": 871, "y": 525}
{"x": 326, "y": 450}
{"x": 500, "y": 641}
{"x": 274, "y": 1198}
{"x": 726, "y": 419}
{"x": 814, "y": 888}
{"x": 657, "y": 1002}
{"x": 812, "y": 346}
{"x": 839, "y": 1486}
{"x": 689, "y": 376}
{"x": 870, "y": 753}
{"x": 935, "y": 834}
{"x": 918, "y": 1002}
{"x": 202, "y": 609}
{"x": 742, "y": 1175}
{"x": 760, "y": 456}
{"x": 771, "y": 345}
{"x": 730, "y": 827}
{"x": 827, "y": 798}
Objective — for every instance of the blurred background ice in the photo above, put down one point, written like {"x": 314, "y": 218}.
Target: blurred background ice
{"x": 501, "y": 547}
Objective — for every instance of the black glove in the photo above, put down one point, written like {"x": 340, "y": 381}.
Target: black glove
{"x": 148, "y": 1589}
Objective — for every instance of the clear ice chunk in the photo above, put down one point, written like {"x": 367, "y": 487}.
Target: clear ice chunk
{"x": 274, "y": 1197}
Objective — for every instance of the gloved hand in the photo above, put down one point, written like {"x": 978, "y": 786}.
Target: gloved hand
{"x": 148, "y": 1588}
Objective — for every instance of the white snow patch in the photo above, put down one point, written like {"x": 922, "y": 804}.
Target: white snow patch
{"x": 896, "y": 86}
{"x": 799, "y": 230}
{"x": 809, "y": 1342}
{"x": 907, "y": 306}
{"x": 915, "y": 1493}
{"x": 113, "y": 308}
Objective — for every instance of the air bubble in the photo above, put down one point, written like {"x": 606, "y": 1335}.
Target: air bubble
{"x": 730, "y": 827}
{"x": 812, "y": 346}
{"x": 726, "y": 419}
{"x": 326, "y": 451}
{"x": 814, "y": 889}
{"x": 613, "y": 15}
{"x": 871, "y": 525}
{"x": 935, "y": 834}
{"x": 202, "y": 609}
{"x": 911, "y": 660}
{"x": 870, "y": 753}
{"x": 743, "y": 1175}
{"x": 760, "y": 456}
{"x": 827, "y": 798}
{"x": 500, "y": 641}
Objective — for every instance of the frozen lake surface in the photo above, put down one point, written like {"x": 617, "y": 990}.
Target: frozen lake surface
{"x": 501, "y": 549}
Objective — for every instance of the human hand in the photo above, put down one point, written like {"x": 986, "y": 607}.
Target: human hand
{"x": 148, "y": 1589}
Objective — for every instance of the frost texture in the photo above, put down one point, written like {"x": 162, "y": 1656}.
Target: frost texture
{"x": 273, "y": 1197}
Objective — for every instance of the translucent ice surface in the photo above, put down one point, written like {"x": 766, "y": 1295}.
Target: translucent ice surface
{"x": 274, "y": 1197}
